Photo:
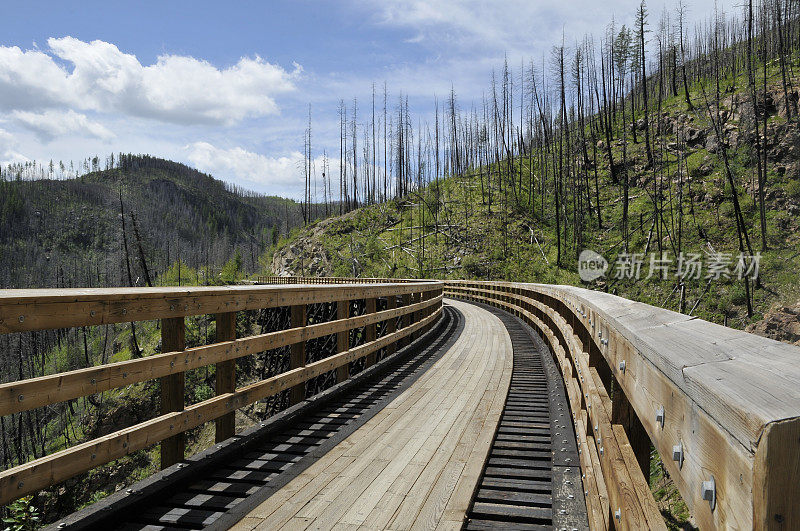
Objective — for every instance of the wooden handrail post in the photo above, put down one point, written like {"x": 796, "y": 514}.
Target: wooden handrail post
{"x": 415, "y": 298}
{"x": 426, "y": 296}
{"x": 391, "y": 324}
{"x": 298, "y": 353}
{"x": 370, "y": 331}
{"x": 622, "y": 413}
{"x": 225, "y": 426}
{"x": 343, "y": 340}
{"x": 406, "y": 319}
{"x": 173, "y": 338}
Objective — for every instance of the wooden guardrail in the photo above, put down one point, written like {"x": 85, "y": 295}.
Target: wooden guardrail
{"x": 721, "y": 407}
{"x": 27, "y": 310}
{"x": 333, "y": 280}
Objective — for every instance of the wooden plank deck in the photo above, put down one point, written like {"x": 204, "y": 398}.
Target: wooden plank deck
{"x": 416, "y": 463}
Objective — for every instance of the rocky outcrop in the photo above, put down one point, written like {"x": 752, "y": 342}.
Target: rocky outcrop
{"x": 781, "y": 323}
{"x": 303, "y": 257}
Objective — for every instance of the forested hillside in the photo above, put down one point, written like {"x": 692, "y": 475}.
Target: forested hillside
{"x": 143, "y": 221}
{"x": 639, "y": 156}
{"x": 129, "y": 224}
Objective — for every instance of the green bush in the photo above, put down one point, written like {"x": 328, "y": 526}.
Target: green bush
{"x": 232, "y": 268}
{"x": 22, "y": 515}
{"x": 793, "y": 188}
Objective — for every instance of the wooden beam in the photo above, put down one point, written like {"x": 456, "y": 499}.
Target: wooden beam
{"x": 298, "y": 353}
{"x": 225, "y": 426}
{"x": 45, "y": 471}
{"x": 407, "y": 318}
{"x": 41, "y": 309}
{"x": 622, "y": 413}
{"x": 173, "y": 337}
{"x": 370, "y": 331}
{"x": 342, "y": 339}
{"x": 45, "y": 390}
{"x": 776, "y": 477}
{"x": 391, "y": 324}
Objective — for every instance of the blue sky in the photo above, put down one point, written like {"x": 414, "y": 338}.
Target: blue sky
{"x": 225, "y": 87}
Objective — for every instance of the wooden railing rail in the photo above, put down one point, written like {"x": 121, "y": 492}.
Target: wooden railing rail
{"x": 23, "y": 310}
{"x": 334, "y": 280}
{"x": 721, "y": 407}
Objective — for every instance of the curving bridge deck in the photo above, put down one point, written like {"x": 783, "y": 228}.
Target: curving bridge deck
{"x": 416, "y": 462}
{"x": 514, "y": 406}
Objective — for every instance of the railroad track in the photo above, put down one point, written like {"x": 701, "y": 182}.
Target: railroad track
{"x": 216, "y": 488}
{"x": 532, "y": 478}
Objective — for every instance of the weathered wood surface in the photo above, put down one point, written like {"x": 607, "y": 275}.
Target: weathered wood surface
{"x": 170, "y": 367}
{"x": 417, "y": 462}
{"x": 45, "y": 471}
{"x": 39, "y": 309}
{"x": 731, "y": 399}
{"x": 36, "y": 392}
{"x": 225, "y": 426}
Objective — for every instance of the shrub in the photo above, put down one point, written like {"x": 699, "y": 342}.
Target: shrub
{"x": 793, "y": 188}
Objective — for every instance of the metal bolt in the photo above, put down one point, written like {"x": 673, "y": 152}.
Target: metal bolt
{"x": 94, "y": 382}
{"x": 677, "y": 454}
{"x": 660, "y": 416}
{"x": 62, "y": 525}
{"x": 124, "y": 311}
{"x": 618, "y": 514}
{"x": 601, "y": 450}
{"x": 21, "y": 398}
{"x": 21, "y": 318}
{"x": 91, "y": 314}
{"x": 709, "y": 491}
{"x": 622, "y": 366}
{"x": 129, "y": 491}
{"x": 20, "y": 484}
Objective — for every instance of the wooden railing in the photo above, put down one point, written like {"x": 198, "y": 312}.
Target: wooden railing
{"x": 333, "y": 280}
{"x": 721, "y": 407}
{"x": 416, "y": 304}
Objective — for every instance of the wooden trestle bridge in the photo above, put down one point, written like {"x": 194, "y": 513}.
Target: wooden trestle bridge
{"x": 438, "y": 404}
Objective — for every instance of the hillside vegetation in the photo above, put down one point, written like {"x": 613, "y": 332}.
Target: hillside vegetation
{"x": 73, "y": 232}
{"x": 679, "y": 178}
{"x": 144, "y": 221}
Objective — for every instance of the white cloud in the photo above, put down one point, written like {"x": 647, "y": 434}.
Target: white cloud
{"x": 239, "y": 163}
{"x": 177, "y": 89}
{"x": 274, "y": 175}
{"x": 51, "y": 124}
{"x": 521, "y": 26}
{"x": 8, "y": 146}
